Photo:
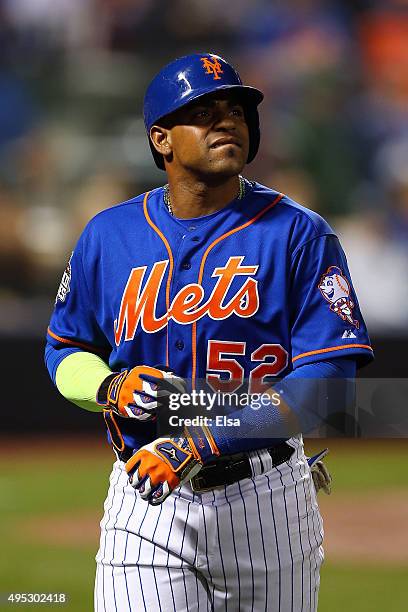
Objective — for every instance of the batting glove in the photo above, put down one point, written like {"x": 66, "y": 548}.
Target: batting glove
{"x": 320, "y": 474}
{"x": 156, "y": 469}
{"x": 135, "y": 393}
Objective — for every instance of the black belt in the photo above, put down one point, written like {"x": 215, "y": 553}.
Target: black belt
{"x": 231, "y": 468}
{"x": 227, "y": 469}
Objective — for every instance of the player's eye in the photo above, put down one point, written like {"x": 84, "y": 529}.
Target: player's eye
{"x": 202, "y": 113}
{"x": 237, "y": 111}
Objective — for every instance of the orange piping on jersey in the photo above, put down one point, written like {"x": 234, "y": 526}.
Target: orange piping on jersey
{"x": 332, "y": 348}
{"x": 201, "y": 272}
{"x": 171, "y": 266}
{"x": 88, "y": 347}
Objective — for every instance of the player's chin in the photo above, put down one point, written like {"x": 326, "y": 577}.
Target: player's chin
{"x": 227, "y": 160}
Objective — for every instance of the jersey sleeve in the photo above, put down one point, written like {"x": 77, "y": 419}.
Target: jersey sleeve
{"x": 326, "y": 321}
{"x": 73, "y": 322}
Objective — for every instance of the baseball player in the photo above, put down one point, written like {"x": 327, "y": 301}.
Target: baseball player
{"x": 216, "y": 282}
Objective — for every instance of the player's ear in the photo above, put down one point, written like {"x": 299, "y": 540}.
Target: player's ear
{"x": 161, "y": 139}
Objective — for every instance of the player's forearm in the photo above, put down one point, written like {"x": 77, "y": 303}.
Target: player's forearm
{"x": 78, "y": 378}
{"x": 304, "y": 400}
{"x": 313, "y": 393}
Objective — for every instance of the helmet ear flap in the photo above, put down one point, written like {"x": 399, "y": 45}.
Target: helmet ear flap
{"x": 252, "y": 119}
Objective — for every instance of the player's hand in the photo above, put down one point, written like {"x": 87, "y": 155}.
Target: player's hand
{"x": 320, "y": 474}
{"x": 135, "y": 393}
{"x": 156, "y": 469}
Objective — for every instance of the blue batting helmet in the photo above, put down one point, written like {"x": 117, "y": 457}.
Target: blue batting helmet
{"x": 190, "y": 77}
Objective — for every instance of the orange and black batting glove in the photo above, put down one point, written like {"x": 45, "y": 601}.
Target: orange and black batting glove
{"x": 135, "y": 393}
{"x": 156, "y": 469}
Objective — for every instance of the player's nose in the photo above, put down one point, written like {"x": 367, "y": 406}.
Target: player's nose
{"x": 223, "y": 114}
{"x": 224, "y": 120}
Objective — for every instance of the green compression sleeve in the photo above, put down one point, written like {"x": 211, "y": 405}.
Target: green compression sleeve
{"x": 78, "y": 378}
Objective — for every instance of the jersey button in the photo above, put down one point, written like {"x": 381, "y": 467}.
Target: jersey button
{"x": 186, "y": 265}
{"x": 192, "y": 228}
{"x": 179, "y": 345}
{"x": 195, "y": 238}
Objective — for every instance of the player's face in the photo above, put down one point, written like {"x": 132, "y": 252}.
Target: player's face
{"x": 208, "y": 138}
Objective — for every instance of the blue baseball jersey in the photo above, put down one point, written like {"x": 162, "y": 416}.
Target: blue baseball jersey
{"x": 250, "y": 292}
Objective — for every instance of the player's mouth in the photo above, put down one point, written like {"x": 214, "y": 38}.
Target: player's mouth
{"x": 225, "y": 140}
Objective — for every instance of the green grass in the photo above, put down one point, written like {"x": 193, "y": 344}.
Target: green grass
{"x": 39, "y": 568}
{"x": 38, "y": 486}
{"x": 61, "y": 485}
{"x": 41, "y": 487}
{"x": 353, "y": 588}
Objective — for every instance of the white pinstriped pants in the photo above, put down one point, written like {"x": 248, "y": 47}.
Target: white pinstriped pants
{"x": 252, "y": 546}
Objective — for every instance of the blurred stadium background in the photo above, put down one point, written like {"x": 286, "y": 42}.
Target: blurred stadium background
{"x": 72, "y": 142}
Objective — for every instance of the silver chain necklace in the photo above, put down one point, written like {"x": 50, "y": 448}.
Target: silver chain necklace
{"x": 166, "y": 194}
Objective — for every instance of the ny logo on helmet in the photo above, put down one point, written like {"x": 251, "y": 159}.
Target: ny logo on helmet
{"x": 212, "y": 67}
